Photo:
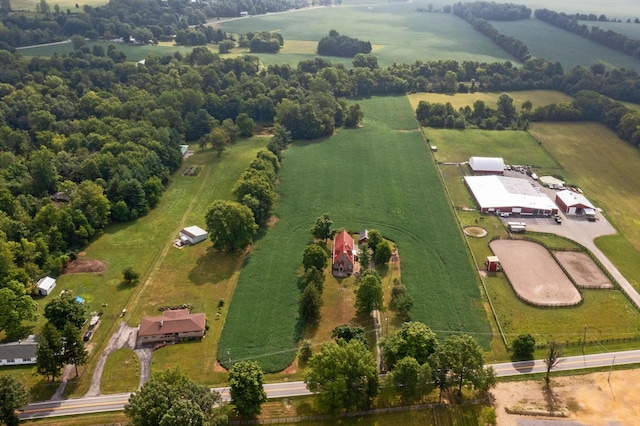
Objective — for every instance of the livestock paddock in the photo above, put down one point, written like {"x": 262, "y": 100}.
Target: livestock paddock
{"x": 534, "y": 274}
{"x": 583, "y": 270}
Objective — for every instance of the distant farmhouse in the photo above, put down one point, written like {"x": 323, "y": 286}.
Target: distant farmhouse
{"x": 46, "y": 285}
{"x": 19, "y": 353}
{"x": 501, "y": 194}
{"x": 343, "y": 258}
{"x": 172, "y": 326}
{"x": 486, "y": 165}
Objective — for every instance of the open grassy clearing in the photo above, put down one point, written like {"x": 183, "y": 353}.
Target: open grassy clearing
{"x": 606, "y": 169}
{"x": 121, "y": 372}
{"x": 64, "y": 4}
{"x": 350, "y": 176}
{"x": 557, "y": 45}
{"x": 514, "y": 316}
{"x": 184, "y": 276}
{"x": 621, "y": 9}
{"x": 459, "y": 100}
{"x": 407, "y": 34}
{"x": 515, "y": 146}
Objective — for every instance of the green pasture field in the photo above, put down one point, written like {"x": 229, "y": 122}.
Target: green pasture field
{"x": 459, "y": 100}
{"x": 515, "y": 146}
{"x": 406, "y": 34}
{"x": 605, "y": 167}
{"x": 133, "y": 52}
{"x": 515, "y": 316}
{"x": 380, "y": 176}
{"x": 169, "y": 276}
{"x": 122, "y": 371}
{"x": 64, "y": 4}
{"x": 557, "y": 45}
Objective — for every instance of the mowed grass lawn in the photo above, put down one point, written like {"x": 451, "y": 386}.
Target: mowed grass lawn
{"x": 537, "y": 97}
{"x": 557, "y": 45}
{"x": 407, "y": 35}
{"x": 606, "y": 168}
{"x": 381, "y": 176}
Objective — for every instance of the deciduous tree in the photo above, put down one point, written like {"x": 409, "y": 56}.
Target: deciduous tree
{"x": 13, "y": 396}
{"x": 523, "y": 346}
{"x": 73, "y": 350}
{"x": 553, "y": 357}
{"x": 170, "y": 398}
{"x": 344, "y": 375}
{"x": 348, "y": 332}
{"x": 49, "y": 359}
{"x": 309, "y": 305}
{"x": 411, "y": 379}
{"x": 414, "y": 339}
{"x": 322, "y": 228}
{"x": 382, "y": 253}
{"x": 16, "y": 306}
{"x": 314, "y": 256}
{"x": 246, "y": 389}
{"x": 64, "y": 309}
{"x": 369, "y": 294}
{"x": 230, "y": 225}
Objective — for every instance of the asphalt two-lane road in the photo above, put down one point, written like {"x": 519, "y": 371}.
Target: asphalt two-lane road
{"x": 70, "y": 407}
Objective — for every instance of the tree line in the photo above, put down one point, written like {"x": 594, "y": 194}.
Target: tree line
{"x": 608, "y": 38}
{"x": 492, "y": 11}
{"x": 511, "y": 45}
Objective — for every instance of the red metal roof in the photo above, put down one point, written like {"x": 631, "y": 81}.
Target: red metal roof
{"x": 343, "y": 244}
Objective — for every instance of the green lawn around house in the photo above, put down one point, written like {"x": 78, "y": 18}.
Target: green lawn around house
{"x": 380, "y": 176}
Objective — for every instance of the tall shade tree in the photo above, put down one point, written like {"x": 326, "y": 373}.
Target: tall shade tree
{"x": 344, "y": 376}
{"x": 411, "y": 379}
{"x": 246, "y": 388}
{"x": 231, "y": 225}
{"x": 462, "y": 358}
{"x": 382, "y": 253}
{"x": 523, "y": 346}
{"x": 169, "y": 398}
{"x": 15, "y": 307}
{"x": 64, "y": 309}
{"x": 314, "y": 256}
{"x": 49, "y": 359}
{"x": 13, "y": 397}
{"x": 309, "y": 305}
{"x": 73, "y": 351}
{"x": 414, "y": 339}
{"x": 369, "y": 294}
{"x": 219, "y": 139}
{"x": 321, "y": 230}
{"x": 375, "y": 238}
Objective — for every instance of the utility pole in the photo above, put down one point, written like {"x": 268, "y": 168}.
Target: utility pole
{"x": 584, "y": 338}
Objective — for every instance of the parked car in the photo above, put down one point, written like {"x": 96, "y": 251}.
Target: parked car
{"x": 87, "y": 335}
{"x": 558, "y": 219}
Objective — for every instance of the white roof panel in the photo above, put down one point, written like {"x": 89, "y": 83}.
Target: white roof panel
{"x": 487, "y": 164}
{"x": 571, "y": 198}
{"x": 504, "y": 192}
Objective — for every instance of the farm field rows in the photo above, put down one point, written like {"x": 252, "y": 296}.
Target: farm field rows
{"x": 380, "y": 176}
{"x": 401, "y": 34}
{"x": 542, "y": 39}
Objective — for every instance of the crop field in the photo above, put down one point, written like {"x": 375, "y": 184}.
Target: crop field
{"x": 515, "y": 146}
{"x": 537, "y": 97}
{"x": 606, "y": 169}
{"x": 64, "y": 4}
{"x": 381, "y": 176}
{"x": 557, "y": 45}
{"x": 406, "y": 35}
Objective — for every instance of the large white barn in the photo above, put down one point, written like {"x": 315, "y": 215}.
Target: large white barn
{"x": 501, "y": 194}
{"x": 486, "y": 165}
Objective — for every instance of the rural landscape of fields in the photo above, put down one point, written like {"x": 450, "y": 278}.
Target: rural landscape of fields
{"x": 389, "y": 173}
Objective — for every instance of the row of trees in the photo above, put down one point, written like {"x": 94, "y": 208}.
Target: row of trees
{"x": 262, "y": 42}
{"x": 511, "y": 45}
{"x": 493, "y": 11}
{"x": 341, "y": 45}
{"x": 608, "y": 38}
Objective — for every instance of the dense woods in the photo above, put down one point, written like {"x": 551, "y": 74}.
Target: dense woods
{"x": 476, "y": 15}
{"x": 607, "y": 38}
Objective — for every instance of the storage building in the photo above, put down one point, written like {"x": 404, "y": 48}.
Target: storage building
{"x": 574, "y": 203}
{"x": 193, "y": 235}
{"x": 486, "y": 165}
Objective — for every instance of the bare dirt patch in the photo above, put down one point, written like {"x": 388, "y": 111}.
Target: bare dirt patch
{"x": 80, "y": 266}
{"x": 475, "y": 231}
{"x": 273, "y": 219}
{"x": 592, "y": 399}
{"x": 583, "y": 269}
{"x": 534, "y": 273}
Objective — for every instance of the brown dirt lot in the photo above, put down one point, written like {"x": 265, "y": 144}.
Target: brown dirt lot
{"x": 80, "y": 266}
{"x": 589, "y": 399}
{"x": 534, "y": 273}
{"x": 583, "y": 269}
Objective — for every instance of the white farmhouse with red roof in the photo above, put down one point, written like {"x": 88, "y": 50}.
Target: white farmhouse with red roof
{"x": 343, "y": 255}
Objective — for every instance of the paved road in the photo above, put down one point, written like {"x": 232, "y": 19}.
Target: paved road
{"x": 290, "y": 389}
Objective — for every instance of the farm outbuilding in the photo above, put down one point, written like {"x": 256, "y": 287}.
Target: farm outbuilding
{"x": 46, "y": 285}
{"x": 492, "y": 263}
{"x": 574, "y": 203}
{"x": 193, "y": 235}
{"x": 486, "y": 165}
{"x": 343, "y": 255}
{"x": 363, "y": 236}
{"x": 506, "y": 195}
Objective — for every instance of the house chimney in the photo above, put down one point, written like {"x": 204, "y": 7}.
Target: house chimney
{"x": 161, "y": 323}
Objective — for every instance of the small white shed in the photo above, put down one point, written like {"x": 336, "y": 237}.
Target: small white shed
{"x": 193, "y": 235}
{"x": 45, "y": 285}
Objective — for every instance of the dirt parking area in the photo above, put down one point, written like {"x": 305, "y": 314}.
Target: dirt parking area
{"x": 583, "y": 269}
{"x": 534, "y": 273}
{"x": 592, "y": 399}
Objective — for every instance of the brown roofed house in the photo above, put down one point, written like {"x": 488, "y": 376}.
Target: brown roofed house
{"x": 172, "y": 326}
